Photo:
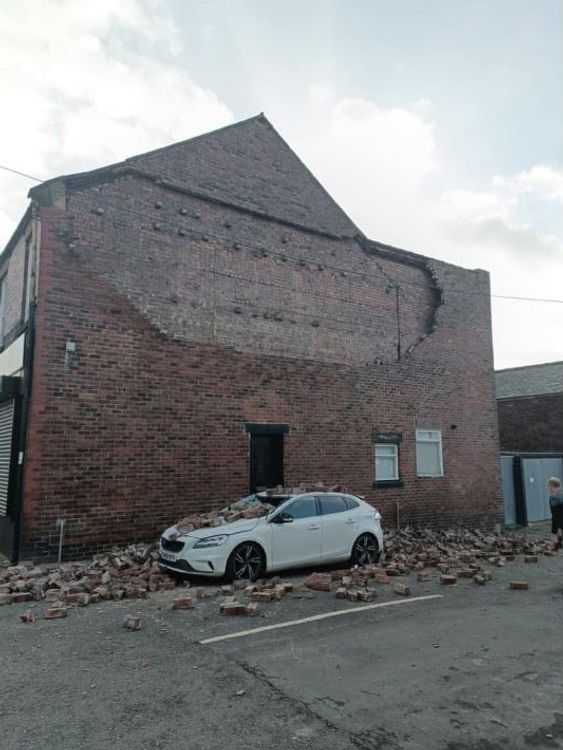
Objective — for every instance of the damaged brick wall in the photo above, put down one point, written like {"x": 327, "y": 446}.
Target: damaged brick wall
{"x": 208, "y": 273}
{"x": 531, "y": 423}
{"x": 175, "y": 318}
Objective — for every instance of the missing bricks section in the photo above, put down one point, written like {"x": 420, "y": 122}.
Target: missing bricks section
{"x": 191, "y": 318}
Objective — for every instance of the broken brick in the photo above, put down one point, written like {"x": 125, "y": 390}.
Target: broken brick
{"x": 465, "y": 573}
{"x": 382, "y": 577}
{"x": 182, "y": 602}
{"x": 262, "y": 596}
{"x": 131, "y": 622}
{"x": 479, "y": 579}
{"x": 54, "y": 613}
{"x": 22, "y": 596}
{"x": 319, "y": 582}
{"x": 402, "y": 589}
{"x": 447, "y": 580}
{"x": 27, "y": 616}
{"x": 232, "y": 608}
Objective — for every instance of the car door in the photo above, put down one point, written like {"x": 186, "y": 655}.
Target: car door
{"x": 339, "y": 527}
{"x": 298, "y": 542}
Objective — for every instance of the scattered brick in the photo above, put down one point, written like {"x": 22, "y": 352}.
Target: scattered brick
{"x": 54, "y": 613}
{"x": 480, "y": 579}
{"x": 447, "y": 580}
{"x": 366, "y": 595}
{"x": 262, "y": 596}
{"x": 519, "y": 585}
{"x": 232, "y": 608}
{"x": 131, "y": 622}
{"x": 182, "y": 602}
{"x": 530, "y": 558}
{"x": 465, "y": 573}
{"x": 5, "y": 599}
{"x": 423, "y": 576}
{"x": 382, "y": 577}
{"x": 402, "y": 589}
{"x": 319, "y": 582}
{"x": 20, "y": 597}
{"x": 252, "y": 609}
{"x": 27, "y": 616}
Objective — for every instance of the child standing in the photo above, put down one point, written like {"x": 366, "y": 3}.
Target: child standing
{"x": 556, "y": 506}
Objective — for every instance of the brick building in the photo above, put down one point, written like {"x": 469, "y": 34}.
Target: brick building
{"x": 530, "y": 408}
{"x": 201, "y": 320}
{"x": 530, "y": 416}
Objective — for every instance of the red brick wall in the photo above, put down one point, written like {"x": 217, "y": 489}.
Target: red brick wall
{"x": 531, "y": 424}
{"x": 182, "y": 337}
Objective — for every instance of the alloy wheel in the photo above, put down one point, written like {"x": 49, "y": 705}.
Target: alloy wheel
{"x": 365, "y": 551}
{"x": 247, "y": 562}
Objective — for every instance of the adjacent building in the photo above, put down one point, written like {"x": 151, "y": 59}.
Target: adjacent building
{"x": 530, "y": 415}
{"x": 203, "y": 320}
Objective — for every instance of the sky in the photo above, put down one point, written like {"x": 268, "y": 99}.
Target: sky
{"x": 437, "y": 125}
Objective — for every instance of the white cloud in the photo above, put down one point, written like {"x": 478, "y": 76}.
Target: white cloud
{"x": 373, "y": 160}
{"x": 383, "y": 166}
{"x": 85, "y": 84}
{"x": 540, "y": 180}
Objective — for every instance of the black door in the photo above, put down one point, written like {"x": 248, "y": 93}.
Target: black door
{"x": 266, "y": 461}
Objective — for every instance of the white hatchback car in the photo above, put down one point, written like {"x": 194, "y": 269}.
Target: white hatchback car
{"x": 305, "y": 530}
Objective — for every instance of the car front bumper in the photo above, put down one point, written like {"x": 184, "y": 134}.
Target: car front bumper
{"x": 210, "y": 561}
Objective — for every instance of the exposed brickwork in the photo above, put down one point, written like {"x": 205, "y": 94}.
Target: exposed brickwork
{"x": 13, "y": 269}
{"x": 191, "y": 319}
{"x": 531, "y": 423}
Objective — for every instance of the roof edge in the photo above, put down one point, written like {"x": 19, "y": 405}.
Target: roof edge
{"x": 100, "y": 172}
{"x": 528, "y": 367}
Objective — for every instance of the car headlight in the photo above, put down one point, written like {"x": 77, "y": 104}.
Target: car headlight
{"x": 211, "y": 541}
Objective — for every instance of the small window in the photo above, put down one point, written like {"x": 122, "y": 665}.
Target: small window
{"x": 429, "y": 460}
{"x": 303, "y": 507}
{"x": 332, "y": 504}
{"x": 351, "y": 503}
{"x": 386, "y": 462}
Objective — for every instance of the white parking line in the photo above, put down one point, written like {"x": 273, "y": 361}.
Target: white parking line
{"x": 316, "y": 618}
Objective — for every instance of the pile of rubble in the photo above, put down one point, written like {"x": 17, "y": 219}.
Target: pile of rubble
{"x": 410, "y": 550}
{"x": 128, "y": 573}
{"x": 133, "y": 572}
{"x": 253, "y": 506}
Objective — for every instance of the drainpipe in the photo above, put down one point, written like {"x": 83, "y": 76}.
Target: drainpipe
{"x": 61, "y": 526}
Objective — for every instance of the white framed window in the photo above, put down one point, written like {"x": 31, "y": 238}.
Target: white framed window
{"x": 386, "y": 462}
{"x": 429, "y": 459}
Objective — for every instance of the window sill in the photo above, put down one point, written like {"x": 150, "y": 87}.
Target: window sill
{"x": 388, "y": 483}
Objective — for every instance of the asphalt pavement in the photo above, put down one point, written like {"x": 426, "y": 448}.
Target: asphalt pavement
{"x": 480, "y": 668}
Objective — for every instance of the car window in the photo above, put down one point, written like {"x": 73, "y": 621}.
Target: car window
{"x": 351, "y": 503}
{"x": 303, "y": 507}
{"x": 332, "y": 504}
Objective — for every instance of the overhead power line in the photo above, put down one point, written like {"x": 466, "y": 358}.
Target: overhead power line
{"x": 359, "y": 273}
{"x": 21, "y": 174}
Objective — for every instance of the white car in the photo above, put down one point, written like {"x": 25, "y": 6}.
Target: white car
{"x": 304, "y": 530}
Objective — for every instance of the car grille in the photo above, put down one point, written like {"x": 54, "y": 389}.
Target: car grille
{"x": 172, "y": 545}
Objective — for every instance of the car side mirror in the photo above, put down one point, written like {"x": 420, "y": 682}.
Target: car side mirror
{"x": 282, "y": 518}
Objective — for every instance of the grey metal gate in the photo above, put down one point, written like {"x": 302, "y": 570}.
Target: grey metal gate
{"x": 535, "y": 473}
{"x": 508, "y": 494}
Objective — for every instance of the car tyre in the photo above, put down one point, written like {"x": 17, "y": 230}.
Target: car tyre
{"x": 365, "y": 550}
{"x": 246, "y": 562}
